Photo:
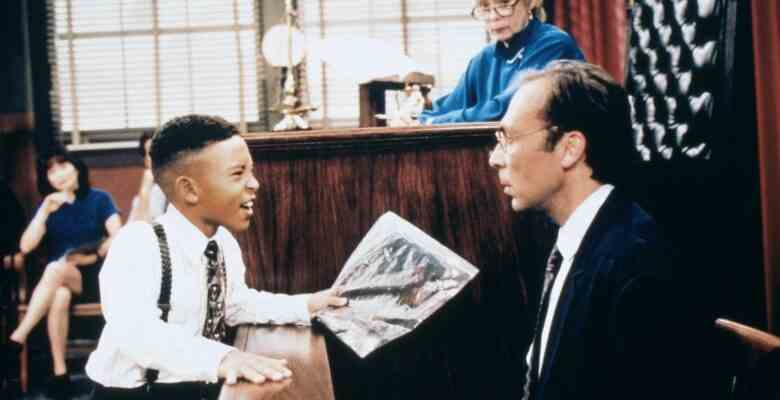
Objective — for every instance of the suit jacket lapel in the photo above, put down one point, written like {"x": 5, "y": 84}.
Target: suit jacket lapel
{"x": 584, "y": 261}
{"x": 570, "y": 288}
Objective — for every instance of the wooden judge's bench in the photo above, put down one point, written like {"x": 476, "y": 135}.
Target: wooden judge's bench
{"x": 320, "y": 192}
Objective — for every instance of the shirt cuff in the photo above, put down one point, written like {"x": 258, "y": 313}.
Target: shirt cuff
{"x": 213, "y": 354}
{"x": 426, "y": 120}
{"x": 301, "y": 309}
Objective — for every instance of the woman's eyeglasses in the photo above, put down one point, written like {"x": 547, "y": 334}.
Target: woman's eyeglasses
{"x": 503, "y": 10}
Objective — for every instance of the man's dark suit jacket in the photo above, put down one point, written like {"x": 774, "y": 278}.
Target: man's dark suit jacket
{"x": 613, "y": 335}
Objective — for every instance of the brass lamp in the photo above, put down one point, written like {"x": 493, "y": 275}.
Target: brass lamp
{"x": 283, "y": 46}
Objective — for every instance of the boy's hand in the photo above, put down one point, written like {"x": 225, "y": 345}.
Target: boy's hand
{"x": 324, "y": 299}
{"x": 251, "y": 367}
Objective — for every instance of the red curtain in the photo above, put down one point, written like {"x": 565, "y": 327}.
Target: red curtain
{"x": 766, "y": 47}
{"x": 600, "y": 30}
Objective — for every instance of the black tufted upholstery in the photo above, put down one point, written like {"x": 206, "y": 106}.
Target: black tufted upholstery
{"x": 679, "y": 56}
{"x": 689, "y": 75}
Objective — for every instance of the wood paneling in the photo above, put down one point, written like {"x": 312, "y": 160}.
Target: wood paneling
{"x": 319, "y": 194}
{"x": 17, "y": 157}
{"x": 117, "y": 172}
{"x": 121, "y": 182}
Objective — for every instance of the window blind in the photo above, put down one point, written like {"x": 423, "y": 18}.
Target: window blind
{"x": 439, "y": 35}
{"x": 123, "y": 66}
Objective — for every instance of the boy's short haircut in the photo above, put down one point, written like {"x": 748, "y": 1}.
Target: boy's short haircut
{"x": 186, "y": 135}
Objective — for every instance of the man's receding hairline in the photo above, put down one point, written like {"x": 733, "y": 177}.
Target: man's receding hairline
{"x": 546, "y": 92}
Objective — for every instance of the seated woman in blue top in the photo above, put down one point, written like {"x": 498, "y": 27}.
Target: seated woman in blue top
{"x": 71, "y": 216}
{"x": 521, "y": 41}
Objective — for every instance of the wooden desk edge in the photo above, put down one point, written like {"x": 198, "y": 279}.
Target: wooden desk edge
{"x": 276, "y": 389}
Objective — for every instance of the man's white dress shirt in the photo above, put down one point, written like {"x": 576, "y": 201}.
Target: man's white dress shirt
{"x": 135, "y": 338}
{"x": 570, "y": 237}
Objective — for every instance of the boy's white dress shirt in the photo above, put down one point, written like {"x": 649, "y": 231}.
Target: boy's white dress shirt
{"x": 135, "y": 338}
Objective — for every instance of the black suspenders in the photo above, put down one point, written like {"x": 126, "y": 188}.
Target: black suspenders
{"x": 164, "y": 301}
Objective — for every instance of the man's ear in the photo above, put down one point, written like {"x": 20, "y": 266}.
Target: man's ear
{"x": 573, "y": 145}
{"x": 187, "y": 189}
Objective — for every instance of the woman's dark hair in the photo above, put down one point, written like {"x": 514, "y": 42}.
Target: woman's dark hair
{"x": 61, "y": 156}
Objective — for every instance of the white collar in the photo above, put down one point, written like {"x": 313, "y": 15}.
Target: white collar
{"x": 191, "y": 239}
{"x": 573, "y": 231}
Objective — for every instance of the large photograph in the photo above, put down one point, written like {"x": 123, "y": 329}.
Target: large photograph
{"x": 396, "y": 278}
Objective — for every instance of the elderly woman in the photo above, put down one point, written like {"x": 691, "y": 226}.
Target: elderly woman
{"x": 521, "y": 41}
{"x": 72, "y": 219}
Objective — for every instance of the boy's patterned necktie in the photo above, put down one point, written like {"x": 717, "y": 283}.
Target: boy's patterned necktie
{"x": 214, "y": 327}
{"x": 553, "y": 266}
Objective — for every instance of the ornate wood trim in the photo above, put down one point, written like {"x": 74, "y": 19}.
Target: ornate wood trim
{"x": 369, "y": 139}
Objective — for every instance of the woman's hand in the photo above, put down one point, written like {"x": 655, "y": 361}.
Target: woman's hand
{"x": 54, "y": 201}
{"x": 37, "y": 228}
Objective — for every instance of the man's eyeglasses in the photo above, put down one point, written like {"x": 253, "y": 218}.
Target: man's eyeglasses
{"x": 503, "y": 10}
{"x": 504, "y": 141}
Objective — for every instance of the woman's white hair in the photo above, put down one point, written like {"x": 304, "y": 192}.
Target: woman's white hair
{"x": 537, "y": 9}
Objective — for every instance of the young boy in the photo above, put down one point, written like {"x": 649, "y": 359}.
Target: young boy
{"x": 206, "y": 171}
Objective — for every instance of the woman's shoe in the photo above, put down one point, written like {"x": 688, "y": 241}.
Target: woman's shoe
{"x": 14, "y": 347}
{"x": 9, "y": 371}
{"x": 13, "y": 350}
{"x": 58, "y": 387}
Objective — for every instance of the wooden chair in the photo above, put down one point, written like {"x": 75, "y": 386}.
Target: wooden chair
{"x": 756, "y": 377}
{"x": 8, "y": 296}
{"x": 74, "y": 347}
